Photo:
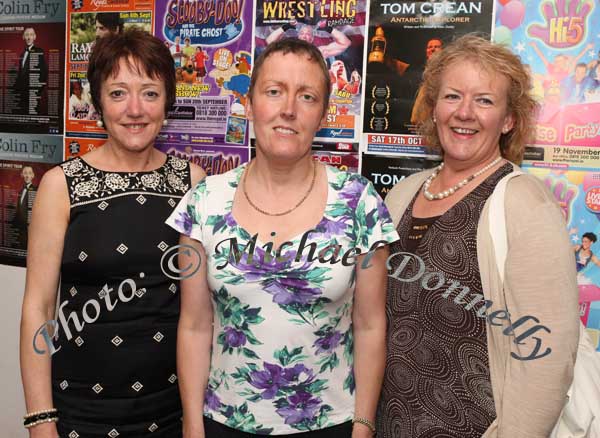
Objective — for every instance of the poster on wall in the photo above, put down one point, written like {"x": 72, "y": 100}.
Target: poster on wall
{"x": 559, "y": 43}
{"x": 214, "y": 159}
{"x": 87, "y": 22}
{"x": 32, "y": 66}
{"x": 402, "y": 37}
{"x": 386, "y": 172}
{"x": 344, "y": 156}
{"x": 77, "y": 146}
{"x": 211, "y": 49}
{"x": 577, "y": 190}
{"x": 24, "y": 159}
{"x": 337, "y": 29}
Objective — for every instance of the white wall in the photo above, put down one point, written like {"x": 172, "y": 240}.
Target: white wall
{"x": 12, "y": 405}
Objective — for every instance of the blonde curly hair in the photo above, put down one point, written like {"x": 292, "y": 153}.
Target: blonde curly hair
{"x": 494, "y": 59}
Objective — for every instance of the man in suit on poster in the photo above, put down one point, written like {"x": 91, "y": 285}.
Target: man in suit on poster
{"x": 31, "y": 75}
{"x": 23, "y": 206}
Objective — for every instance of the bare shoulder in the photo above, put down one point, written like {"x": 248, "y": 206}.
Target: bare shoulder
{"x": 53, "y": 192}
{"x": 196, "y": 173}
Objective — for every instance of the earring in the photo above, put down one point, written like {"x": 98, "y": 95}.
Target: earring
{"x": 505, "y": 130}
{"x": 99, "y": 123}
{"x": 434, "y": 119}
{"x": 165, "y": 122}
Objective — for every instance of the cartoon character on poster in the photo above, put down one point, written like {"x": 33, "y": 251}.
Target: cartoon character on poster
{"x": 210, "y": 44}
{"x": 578, "y": 194}
{"x": 556, "y": 39}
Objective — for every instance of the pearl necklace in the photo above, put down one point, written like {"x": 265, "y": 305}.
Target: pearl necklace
{"x": 445, "y": 193}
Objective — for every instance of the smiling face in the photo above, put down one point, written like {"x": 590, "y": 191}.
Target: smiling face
{"x": 287, "y": 105}
{"x": 133, "y": 108}
{"x": 586, "y": 243}
{"x": 471, "y": 112}
{"x": 29, "y": 36}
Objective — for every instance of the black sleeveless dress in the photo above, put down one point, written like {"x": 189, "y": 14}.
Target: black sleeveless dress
{"x": 114, "y": 373}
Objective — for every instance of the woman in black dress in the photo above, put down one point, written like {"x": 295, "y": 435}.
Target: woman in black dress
{"x": 98, "y": 227}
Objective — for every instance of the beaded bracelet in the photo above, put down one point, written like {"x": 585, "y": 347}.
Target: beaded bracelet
{"x": 366, "y": 422}
{"x": 39, "y": 417}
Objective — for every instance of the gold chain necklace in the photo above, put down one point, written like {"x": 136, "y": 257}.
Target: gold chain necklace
{"x": 254, "y": 206}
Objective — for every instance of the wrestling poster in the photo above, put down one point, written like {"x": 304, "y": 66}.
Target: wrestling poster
{"x": 215, "y": 160}
{"x": 32, "y": 66}
{"x": 87, "y": 22}
{"x": 23, "y": 161}
{"x": 558, "y": 40}
{"x": 577, "y": 190}
{"x": 386, "y": 172}
{"x": 337, "y": 28}
{"x": 402, "y": 36}
{"x": 210, "y": 43}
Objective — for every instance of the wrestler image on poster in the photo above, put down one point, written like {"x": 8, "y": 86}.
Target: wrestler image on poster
{"x": 339, "y": 34}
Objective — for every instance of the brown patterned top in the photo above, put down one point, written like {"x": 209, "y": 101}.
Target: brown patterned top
{"x": 437, "y": 380}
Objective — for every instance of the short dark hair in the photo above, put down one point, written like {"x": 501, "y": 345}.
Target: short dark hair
{"x": 142, "y": 52}
{"x": 591, "y": 236}
{"x": 580, "y": 65}
{"x": 295, "y": 46}
{"x": 111, "y": 20}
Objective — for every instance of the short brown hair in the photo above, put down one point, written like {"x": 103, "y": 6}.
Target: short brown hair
{"x": 493, "y": 58}
{"x": 295, "y": 46}
{"x": 141, "y": 51}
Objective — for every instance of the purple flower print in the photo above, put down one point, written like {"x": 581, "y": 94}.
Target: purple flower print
{"x": 351, "y": 192}
{"x": 234, "y": 338}
{"x": 229, "y": 220}
{"x": 292, "y": 375}
{"x": 328, "y": 343}
{"x": 288, "y": 291}
{"x": 332, "y": 228}
{"x": 211, "y": 400}
{"x": 270, "y": 380}
{"x": 184, "y": 221}
{"x": 301, "y": 406}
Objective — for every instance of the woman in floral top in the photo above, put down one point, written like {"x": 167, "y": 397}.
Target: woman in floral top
{"x": 282, "y": 330}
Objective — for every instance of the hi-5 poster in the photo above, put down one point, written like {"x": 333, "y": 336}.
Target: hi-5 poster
{"x": 337, "y": 28}
{"x": 577, "y": 190}
{"x": 87, "y": 22}
{"x": 210, "y": 42}
{"x": 559, "y": 41}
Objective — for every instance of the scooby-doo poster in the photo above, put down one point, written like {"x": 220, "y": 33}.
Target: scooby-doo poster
{"x": 211, "y": 53}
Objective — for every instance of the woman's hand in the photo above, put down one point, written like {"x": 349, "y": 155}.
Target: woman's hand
{"x": 45, "y": 430}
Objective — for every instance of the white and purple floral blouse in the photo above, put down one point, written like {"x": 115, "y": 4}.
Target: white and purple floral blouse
{"x": 282, "y": 349}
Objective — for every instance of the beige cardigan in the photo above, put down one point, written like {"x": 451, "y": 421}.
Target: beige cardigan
{"x": 540, "y": 280}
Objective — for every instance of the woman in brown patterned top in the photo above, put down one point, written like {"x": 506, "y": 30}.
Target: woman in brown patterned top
{"x": 449, "y": 373}
{"x": 98, "y": 238}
